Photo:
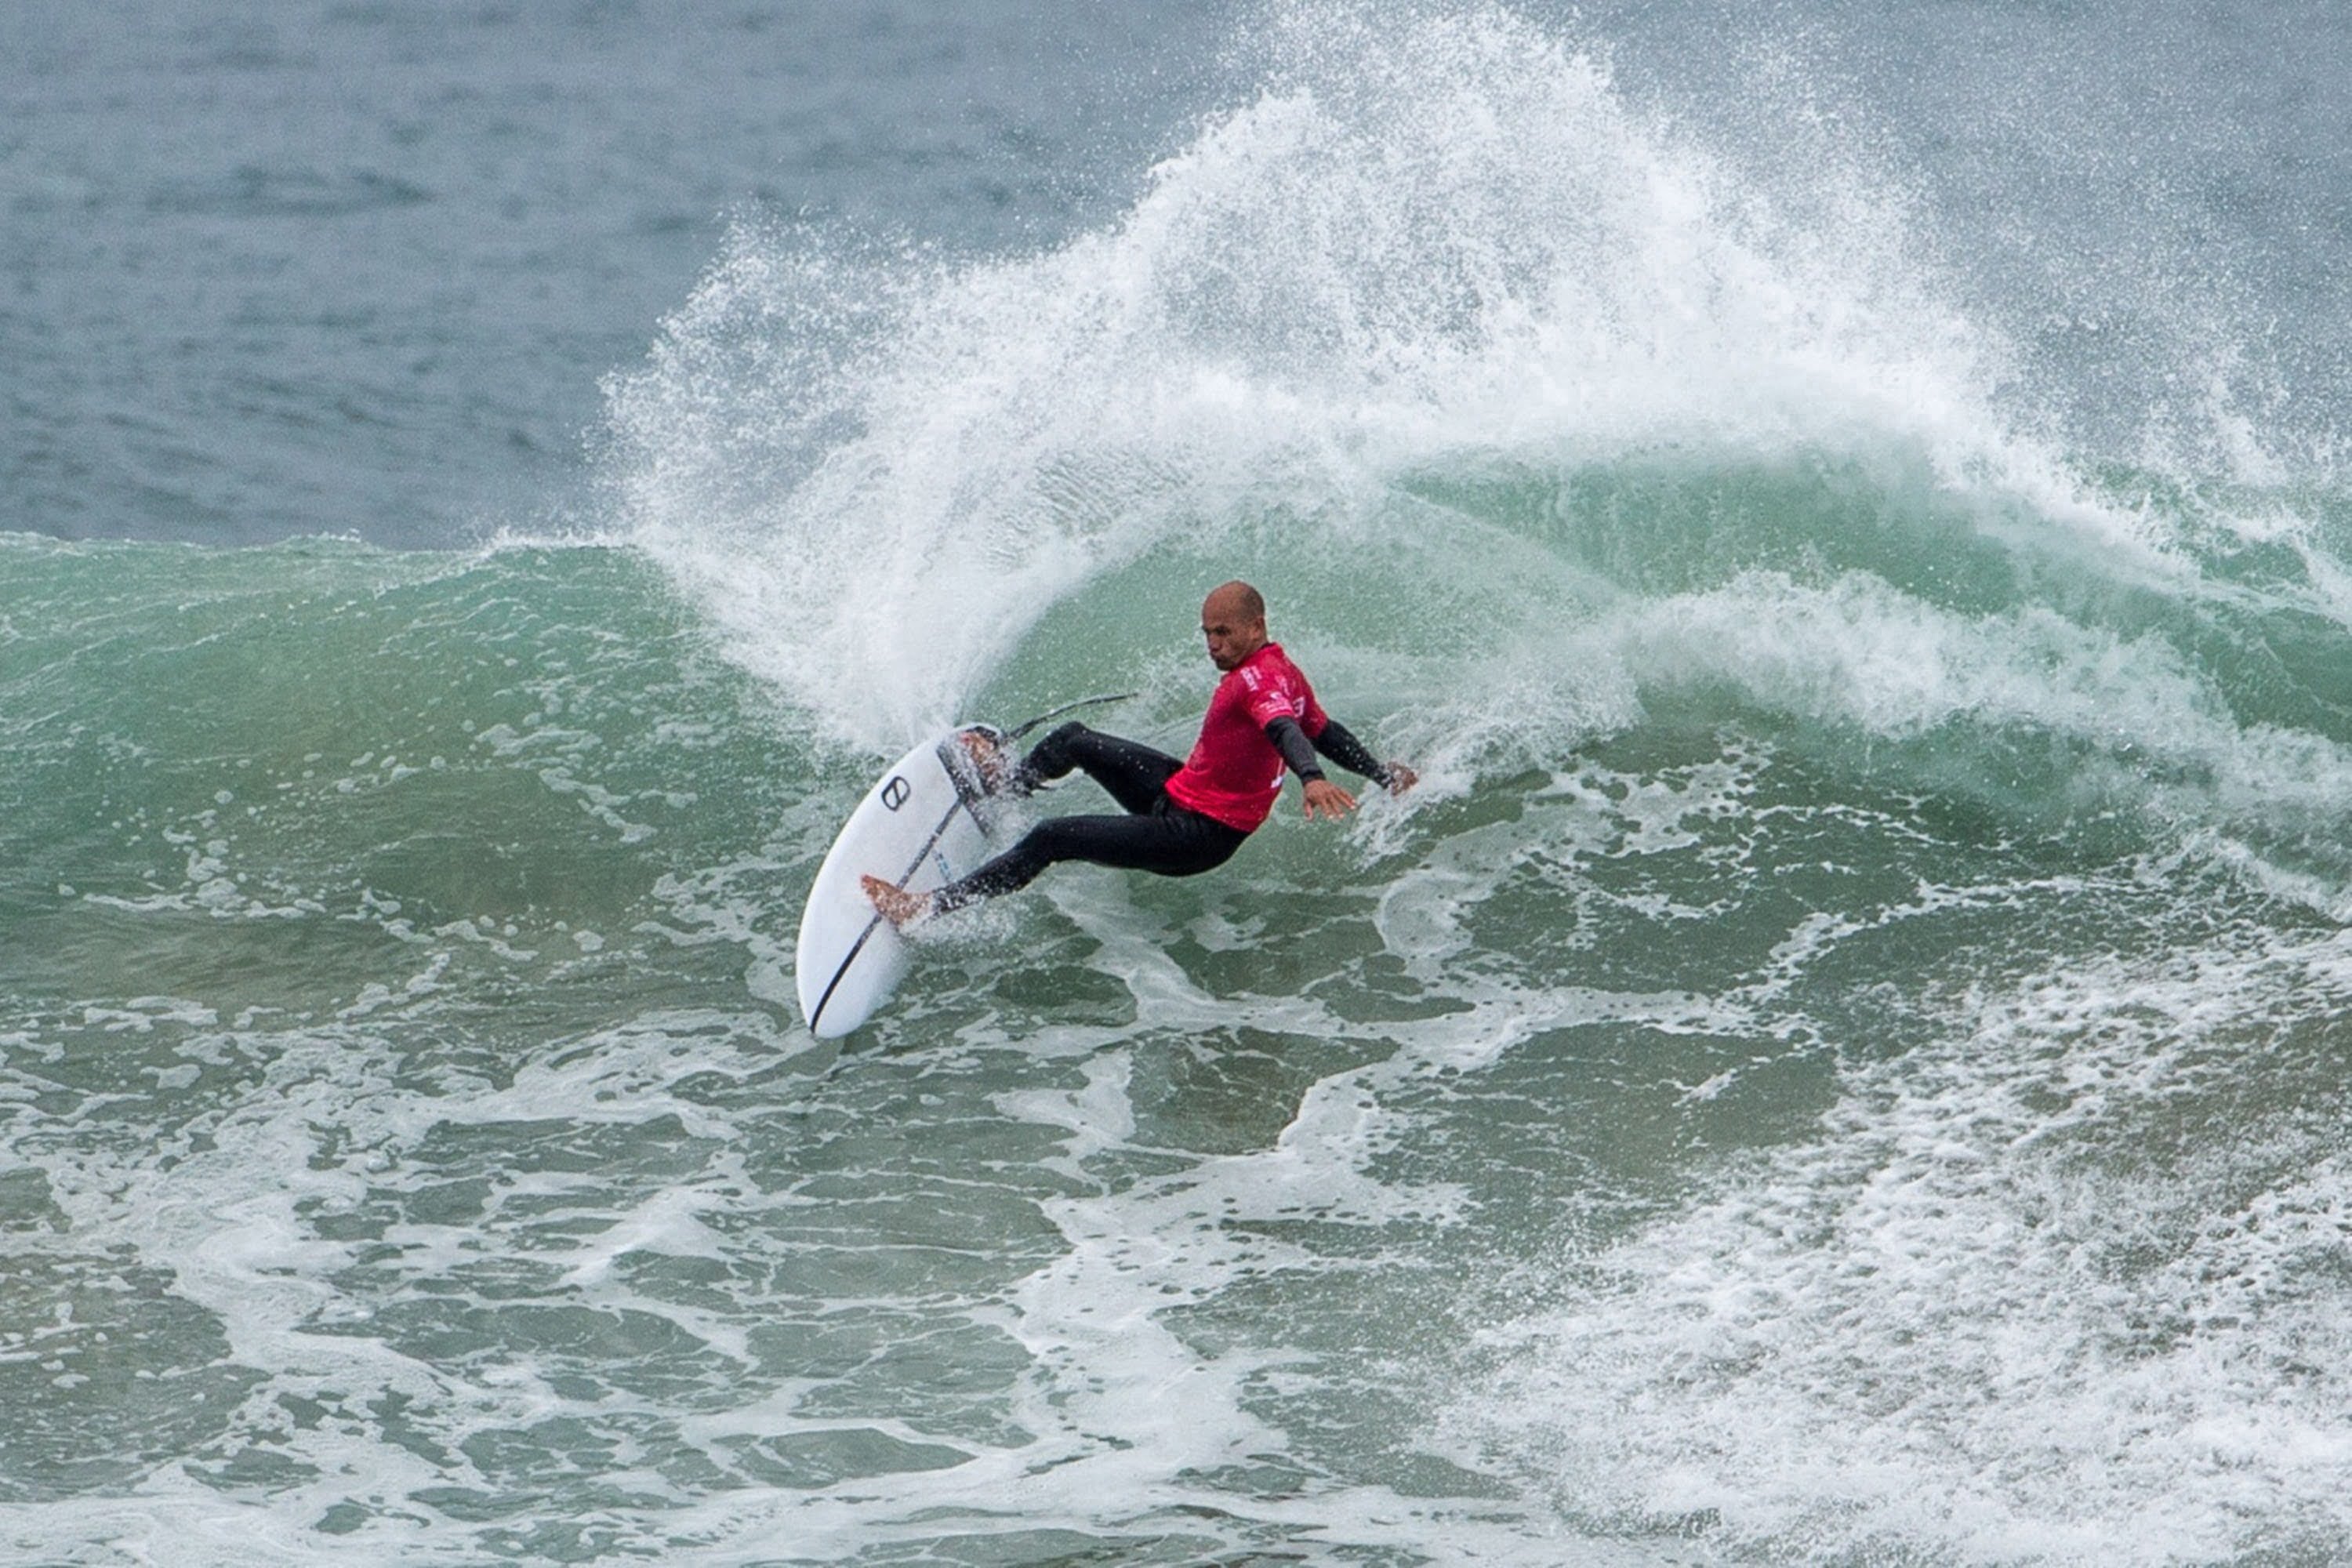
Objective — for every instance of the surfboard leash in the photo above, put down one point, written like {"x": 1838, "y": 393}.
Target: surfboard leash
{"x": 1053, "y": 713}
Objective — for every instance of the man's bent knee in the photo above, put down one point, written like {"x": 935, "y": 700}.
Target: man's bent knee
{"x": 1058, "y": 752}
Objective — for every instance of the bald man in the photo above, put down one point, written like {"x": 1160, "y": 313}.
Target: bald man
{"x": 1183, "y": 818}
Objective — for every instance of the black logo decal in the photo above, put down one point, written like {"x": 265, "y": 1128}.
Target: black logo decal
{"x": 895, "y": 793}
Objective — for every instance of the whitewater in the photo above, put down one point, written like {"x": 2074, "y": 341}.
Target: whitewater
{"x": 1842, "y": 1058}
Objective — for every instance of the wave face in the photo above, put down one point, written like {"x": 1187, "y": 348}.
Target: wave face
{"x": 1842, "y": 1059}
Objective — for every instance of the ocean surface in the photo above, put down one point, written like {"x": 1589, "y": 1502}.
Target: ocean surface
{"x": 1844, "y": 1059}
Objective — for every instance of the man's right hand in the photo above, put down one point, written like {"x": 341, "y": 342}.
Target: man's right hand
{"x": 1325, "y": 798}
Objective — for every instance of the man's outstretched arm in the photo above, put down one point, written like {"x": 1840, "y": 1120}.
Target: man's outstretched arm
{"x": 1339, "y": 743}
{"x": 1323, "y": 796}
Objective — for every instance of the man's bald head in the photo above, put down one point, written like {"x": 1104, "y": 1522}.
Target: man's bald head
{"x": 1233, "y": 619}
{"x": 1236, "y": 599}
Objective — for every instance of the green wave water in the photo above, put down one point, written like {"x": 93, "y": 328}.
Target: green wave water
{"x": 1843, "y": 1054}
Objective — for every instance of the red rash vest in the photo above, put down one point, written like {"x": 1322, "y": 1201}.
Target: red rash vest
{"x": 1235, "y": 772}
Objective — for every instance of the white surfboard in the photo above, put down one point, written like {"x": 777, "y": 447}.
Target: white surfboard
{"x": 925, "y": 823}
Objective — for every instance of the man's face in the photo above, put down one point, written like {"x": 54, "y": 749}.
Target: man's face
{"x": 1232, "y": 632}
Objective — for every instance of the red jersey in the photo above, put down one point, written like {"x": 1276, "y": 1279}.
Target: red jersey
{"x": 1235, "y": 772}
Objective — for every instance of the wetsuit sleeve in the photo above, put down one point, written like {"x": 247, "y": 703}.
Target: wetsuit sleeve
{"x": 1338, "y": 742}
{"x": 1297, "y": 750}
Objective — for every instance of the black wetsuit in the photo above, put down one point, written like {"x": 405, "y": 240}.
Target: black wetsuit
{"x": 1157, "y": 835}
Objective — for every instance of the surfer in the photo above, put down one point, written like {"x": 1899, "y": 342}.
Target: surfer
{"x": 1181, "y": 818}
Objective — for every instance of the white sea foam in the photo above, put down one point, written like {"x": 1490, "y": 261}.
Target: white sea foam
{"x": 2046, "y": 1292}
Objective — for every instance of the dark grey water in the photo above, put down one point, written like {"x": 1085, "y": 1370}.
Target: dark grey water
{"x": 285, "y": 269}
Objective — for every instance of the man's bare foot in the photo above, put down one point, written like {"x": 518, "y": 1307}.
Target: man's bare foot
{"x": 987, "y": 758}
{"x": 895, "y": 903}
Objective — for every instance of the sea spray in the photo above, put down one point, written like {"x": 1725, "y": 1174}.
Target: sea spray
{"x": 1433, "y": 245}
